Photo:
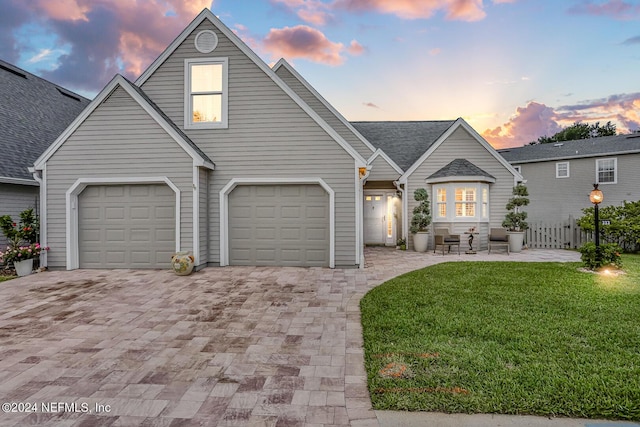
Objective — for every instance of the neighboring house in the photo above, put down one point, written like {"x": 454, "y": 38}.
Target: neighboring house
{"x": 560, "y": 176}
{"x": 212, "y": 151}
{"x": 33, "y": 112}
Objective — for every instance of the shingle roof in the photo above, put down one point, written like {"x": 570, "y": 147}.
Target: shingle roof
{"x": 33, "y": 113}
{"x": 404, "y": 142}
{"x": 460, "y": 168}
{"x": 592, "y": 147}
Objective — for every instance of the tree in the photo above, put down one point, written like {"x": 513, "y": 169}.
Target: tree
{"x": 515, "y": 219}
{"x": 579, "y": 130}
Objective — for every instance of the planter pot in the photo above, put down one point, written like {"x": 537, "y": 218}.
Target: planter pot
{"x": 420, "y": 241}
{"x": 516, "y": 238}
{"x": 24, "y": 268}
{"x": 182, "y": 263}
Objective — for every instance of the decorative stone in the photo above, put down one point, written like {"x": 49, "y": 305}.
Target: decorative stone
{"x": 183, "y": 263}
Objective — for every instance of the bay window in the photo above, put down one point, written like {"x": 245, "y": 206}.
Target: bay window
{"x": 461, "y": 201}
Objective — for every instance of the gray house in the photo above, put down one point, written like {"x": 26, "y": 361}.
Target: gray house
{"x": 560, "y": 176}
{"x": 33, "y": 112}
{"x": 212, "y": 151}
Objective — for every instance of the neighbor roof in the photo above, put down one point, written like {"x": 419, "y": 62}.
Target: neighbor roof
{"x": 592, "y": 147}
{"x": 33, "y": 112}
{"x": 460, "y": 168}
{"x": 404, "y": 142}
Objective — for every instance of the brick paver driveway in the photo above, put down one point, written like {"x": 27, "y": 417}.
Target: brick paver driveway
{"x": 224, "y": 346}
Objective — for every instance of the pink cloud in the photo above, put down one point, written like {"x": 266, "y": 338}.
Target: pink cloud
{"x": 435, "y": 51}
{"x": 462, "y": 10}
{"x": 536, "y": 120}
{"x": 526, "y": 125}
{"x": 370, "y": 105}
{"x": 355, "y": 48}
{"x": 305, "y": 42}
{"x": 616, "y": 9}
{"x": 310, "y": 11}
{"x": 104, "y": 37}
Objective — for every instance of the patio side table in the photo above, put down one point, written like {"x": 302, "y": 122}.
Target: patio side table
{"x": 471, "y": 234}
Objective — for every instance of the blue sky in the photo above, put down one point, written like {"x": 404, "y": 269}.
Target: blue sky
{"x": 514, "y": 69}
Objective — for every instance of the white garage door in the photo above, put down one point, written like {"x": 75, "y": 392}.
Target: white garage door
{"x": 285, "y": 225}
{"x": 126, "y": 226}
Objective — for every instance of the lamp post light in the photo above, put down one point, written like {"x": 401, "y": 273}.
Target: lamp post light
{"x": 596, "y": 197}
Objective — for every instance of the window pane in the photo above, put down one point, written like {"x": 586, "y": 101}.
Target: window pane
{"x": 459, "y": 194}
{"x": 442, "y": 209}
{"x": 206, "y": 78}
{"x": 470, "y": 194}
{"x": 606, "y": 170}
{"x": 471, "y": 209}
{"x": 442, "y": 195}
{"x": 207, "y": 108}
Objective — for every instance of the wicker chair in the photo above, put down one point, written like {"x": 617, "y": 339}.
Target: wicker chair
{"x": 444, "y": 238}
{"x": 498, "y": 237}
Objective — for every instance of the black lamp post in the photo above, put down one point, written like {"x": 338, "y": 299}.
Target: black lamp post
{"x": 596, "y": 197}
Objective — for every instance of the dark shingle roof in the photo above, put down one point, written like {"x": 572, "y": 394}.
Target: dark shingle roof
{"x": 404, "y": 142}
{"x": 591, "y": 147}
{"x": 33, "y": 113}
{"x": 460, "y": 168}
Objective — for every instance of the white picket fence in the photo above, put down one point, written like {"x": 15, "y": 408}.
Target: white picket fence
{"x": 556, "y": 235}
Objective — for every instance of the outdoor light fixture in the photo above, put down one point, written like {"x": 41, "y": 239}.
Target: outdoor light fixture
{"x": 596, "y": 197}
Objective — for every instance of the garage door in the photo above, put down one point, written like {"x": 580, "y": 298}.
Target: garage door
{"x": 126, "y": 226}
{"x": 285, "y": 225}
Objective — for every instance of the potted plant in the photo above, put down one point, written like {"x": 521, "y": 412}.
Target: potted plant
{"x": 515, "y": 220}
{"x": 421, "y": 220}
{"x": 23, "y": 247}
{"x": 401, "y": 244}
{"x": 22, "y": 256}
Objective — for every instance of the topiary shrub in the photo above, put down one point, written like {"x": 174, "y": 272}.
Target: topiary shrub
{"x": 422, "y": 213}
{"x": 609, "y": 255}
{"x": 515, "y": 219}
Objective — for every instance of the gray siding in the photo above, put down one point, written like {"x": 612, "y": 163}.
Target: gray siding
{"x": 15, "y": 199}
{"x": 462, "y": 145}
{"x": 118, "y": 140}
{"x": 382, "y": 171}
{"x": 555, "y": 199}
{"x": 324, "y": 112}
{"x": 268, "y": 136}
{"x": 203, "y": 177}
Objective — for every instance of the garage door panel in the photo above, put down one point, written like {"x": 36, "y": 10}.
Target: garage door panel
{"x": 270, "y": 225}
{"x": 126, "y": 226}
{"x": 140, "y": 212}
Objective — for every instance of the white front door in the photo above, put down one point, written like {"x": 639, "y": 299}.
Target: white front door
{"x": 375, "y": 210}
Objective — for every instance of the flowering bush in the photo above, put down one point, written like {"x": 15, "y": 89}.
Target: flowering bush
{"x": 26, "y": 230}
{"x": 20, "y": 253}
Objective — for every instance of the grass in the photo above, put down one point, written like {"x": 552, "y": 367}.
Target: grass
{"x": 5, "y": 278}
{"x": 506, "y": 337}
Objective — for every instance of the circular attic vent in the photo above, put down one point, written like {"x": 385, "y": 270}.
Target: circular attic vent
{"x": 206, "y": 41}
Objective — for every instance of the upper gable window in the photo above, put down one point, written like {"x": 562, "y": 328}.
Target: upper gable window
{"x": 607, "y": 171}
{"x": 562, "y": 170}
{"x": 206, "y": 94}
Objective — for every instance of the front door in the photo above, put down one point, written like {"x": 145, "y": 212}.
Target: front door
{"x": 374, "y": 219}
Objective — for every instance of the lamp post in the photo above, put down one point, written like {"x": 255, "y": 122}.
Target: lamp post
{"x": 596, "y": 197}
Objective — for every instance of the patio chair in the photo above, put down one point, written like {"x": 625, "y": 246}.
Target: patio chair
{"x": 498, "y": 237}
{"x": 444, "y": 238}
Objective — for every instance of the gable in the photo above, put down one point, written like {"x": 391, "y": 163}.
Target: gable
{"x": 329, "y": 114}
{"x": 254, "y": 90}
{"x": 120, "y": 84}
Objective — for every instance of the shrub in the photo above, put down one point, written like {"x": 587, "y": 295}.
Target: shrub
{"x": 624, "y": 227}
{"x": 27, "y": 230}
{"x": 609, "y": 255}
{"x": 422, "y": 213}
{"x": 515, "y": 219}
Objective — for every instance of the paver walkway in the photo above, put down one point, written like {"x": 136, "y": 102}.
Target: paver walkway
{"x": 225, "y": 346}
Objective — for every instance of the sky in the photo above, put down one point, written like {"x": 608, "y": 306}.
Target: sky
{"x": 514, "y": 69}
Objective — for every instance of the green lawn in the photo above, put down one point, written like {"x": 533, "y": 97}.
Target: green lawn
{"x": 506, "y": 337}
{"x": 5, "y": 278}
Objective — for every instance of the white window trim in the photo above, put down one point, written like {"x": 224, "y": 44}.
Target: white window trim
{"x": 188, "y": 109}
{"x": 224, "y": 210}
{"x": 451, "y": 202}
{"x": 558, "y": 170}
{"x": 615, "y": 170}
{"x": 73, "y": 246}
